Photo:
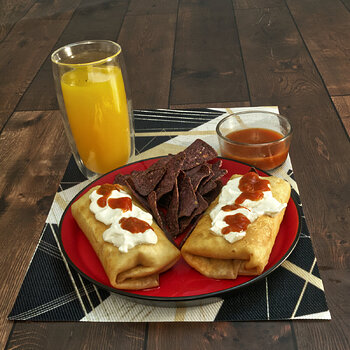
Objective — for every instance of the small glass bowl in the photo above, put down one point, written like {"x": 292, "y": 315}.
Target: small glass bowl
{"x": 259, "y": 138}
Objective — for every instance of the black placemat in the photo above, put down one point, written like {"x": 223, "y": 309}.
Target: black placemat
{"x": 52, "y": 291}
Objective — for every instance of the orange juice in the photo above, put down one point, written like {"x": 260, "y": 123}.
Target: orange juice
{"x": 97, "y": 111}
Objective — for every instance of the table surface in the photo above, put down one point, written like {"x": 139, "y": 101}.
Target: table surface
{"x": 181, "y": 53}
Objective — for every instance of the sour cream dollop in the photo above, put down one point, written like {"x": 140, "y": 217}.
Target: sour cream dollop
{"x": 115, "y": 234}
{"x": 252, "y": 209}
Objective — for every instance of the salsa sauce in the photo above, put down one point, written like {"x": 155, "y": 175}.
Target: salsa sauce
{"x": 266, "y": 157}
{"x": 131, "y": 224}
{"x": 252, "y": 188}
{"x": 123, "y": 203}
{"x": 254, "y": 135}
{"x": 236, "y": 223}
{"x": 134, "y": 225}
{"x": 105, "y": 191}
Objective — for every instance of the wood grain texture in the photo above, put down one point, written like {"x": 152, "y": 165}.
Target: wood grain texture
{"x": 325, "y": 28}
{"x": 26, "y": 48}
{"x": 220, "y": 335}
{"x": 148, "y": 45}
{"x": 342, "y": 104}
{"x": 277, "y": 64}
{"x": 152, "y": 7}
{"x": 46, "y": 9}
{"x": 33, "y": 155}
{"x": 256, "y": 4}
{"x": 214, "y": 105}
{"x": 346, "y": 3}
{"x": 284, "y": 75}
{"x": 84, "y": 335}
{"x": 11, "y": 12}
{"x": 106, "y": 17}
{"x": 207, "y": 61}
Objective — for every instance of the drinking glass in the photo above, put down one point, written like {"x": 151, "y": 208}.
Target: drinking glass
{"x": 94, "y": 99}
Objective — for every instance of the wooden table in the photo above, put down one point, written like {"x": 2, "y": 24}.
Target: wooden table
{"x": 181, "y": 53}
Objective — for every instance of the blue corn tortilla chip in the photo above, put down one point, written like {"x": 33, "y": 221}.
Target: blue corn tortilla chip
{"x": 120, "y": 179}
{"x": 210, "y": 196}
{"x": 173, "y": 168}
{"x": 198, "y": 153}
{"x": 207, "y": 187}
{"x": 158, "y": 215}
{"x": 189, "y": 223}
{"x": 209, "y": 183}
{"x": 201, "y": 207}
{"x": 187, "y": 196}
{"x": 177, "y": 189}
{"x": 197, "y": 174}
{"x": 218, "y": 171}
{"x": 145, "y": 181}
{"x": 172, "y": 216}
{"x": 142, "y": 200}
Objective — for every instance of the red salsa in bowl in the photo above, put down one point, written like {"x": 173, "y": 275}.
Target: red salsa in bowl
{"x": 259, "y": 138}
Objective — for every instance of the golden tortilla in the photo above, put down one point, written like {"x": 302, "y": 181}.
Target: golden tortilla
{"x": 140, "y": 267}
{"x": 215, "y": 257}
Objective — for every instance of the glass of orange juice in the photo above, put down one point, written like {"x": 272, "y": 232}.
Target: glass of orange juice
{"x": 94, "y": 99}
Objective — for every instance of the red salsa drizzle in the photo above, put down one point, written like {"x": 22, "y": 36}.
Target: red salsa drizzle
{"x": 123, "y": 203}
{"x": 105, "y": 190}
{"x": 231, "y": 207}
{"x": 134, "y": 225}
{"x": 252, "y": 188}
{"x": 102, "y": 201}
{"x": 236, "y": 223}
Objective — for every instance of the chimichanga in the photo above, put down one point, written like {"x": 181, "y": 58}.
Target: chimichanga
{"x": 130, "y": 260}
{"x": 246, "y": 252}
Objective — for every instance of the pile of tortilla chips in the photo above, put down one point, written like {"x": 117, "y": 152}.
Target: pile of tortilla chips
{"x": 178, "y": 188}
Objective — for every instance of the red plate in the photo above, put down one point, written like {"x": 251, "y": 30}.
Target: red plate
{"x": 181, "y": 283}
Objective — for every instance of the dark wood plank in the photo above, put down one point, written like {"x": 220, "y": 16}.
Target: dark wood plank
{"x": 346, "y": 3}
{"x": 11, "y": 12}
{"x": 47, "y": 9}
{"x": 148, "y": 45}
{"x": 83, "y": 335}
{"x": 342, "y": 104}
{"x": 325, "y": 28}
{"x": 220, "y": 335}
{"x": 214, "y": 105}
{"x": 152, "y": 7}
{"x": 25, "y": 49}
{"x": 32, "y": 165}
{"x": 208, "y": 66}
{"x": 281, "y": 72}
{"x": 93, "y": 19}
{"x": 251, "y": 4}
